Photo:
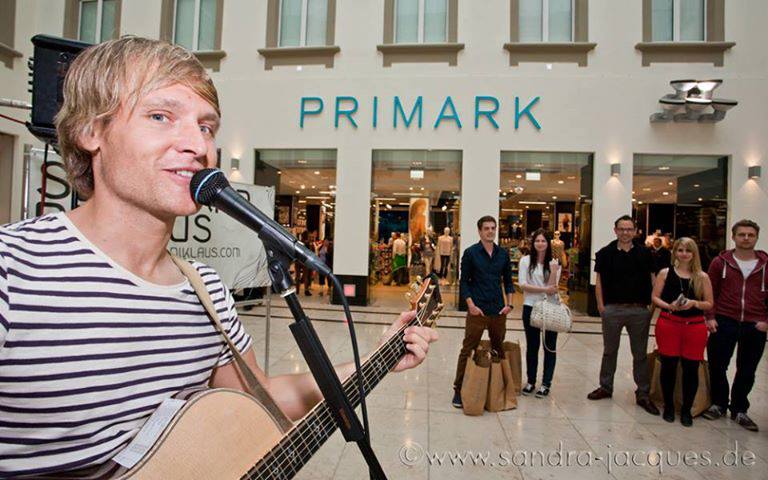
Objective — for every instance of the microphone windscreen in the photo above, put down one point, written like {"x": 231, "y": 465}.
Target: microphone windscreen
{"x": 206, "y": 184}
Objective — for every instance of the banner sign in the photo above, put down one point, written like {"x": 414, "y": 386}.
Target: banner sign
{"x": 214, "y": 238}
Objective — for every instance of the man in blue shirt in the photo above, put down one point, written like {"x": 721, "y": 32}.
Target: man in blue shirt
{"x": 484, "y": 267}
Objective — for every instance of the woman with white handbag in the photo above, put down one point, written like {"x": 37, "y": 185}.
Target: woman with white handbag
{"x": 539, "y": 275}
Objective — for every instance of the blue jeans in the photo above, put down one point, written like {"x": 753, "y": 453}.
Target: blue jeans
{"x": 533, "y": 342}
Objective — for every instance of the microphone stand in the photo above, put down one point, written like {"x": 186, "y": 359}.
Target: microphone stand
{"x": 317, "y": 359}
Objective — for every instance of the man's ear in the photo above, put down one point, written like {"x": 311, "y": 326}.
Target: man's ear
{"x": 92, "y": 136}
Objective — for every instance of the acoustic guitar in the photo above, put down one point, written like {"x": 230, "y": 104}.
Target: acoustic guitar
{"x": 222, "y": 434}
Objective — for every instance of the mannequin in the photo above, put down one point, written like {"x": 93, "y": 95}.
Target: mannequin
{"x": 428, "y": 250}
{"x": 558, "y": 250}
{"x": 445, "y": 249}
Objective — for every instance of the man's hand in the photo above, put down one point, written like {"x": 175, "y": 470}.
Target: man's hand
{"x": 417, "y": 340}
{"x": 600, "y": 308}
{"x": 505, "y": 311}
{"x": 474, "y": 310}
{"x": 712, "y": 325}
{"x": 762, "y": 326}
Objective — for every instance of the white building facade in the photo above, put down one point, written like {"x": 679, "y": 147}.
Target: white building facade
{"x": 489, "y": 76}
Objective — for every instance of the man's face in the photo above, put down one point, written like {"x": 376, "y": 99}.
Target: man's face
{"x": 625, "y": 231}
{"x": 745, "y": 238}
{"x": 146, "y": 157}
{"x": 488, "y": 231}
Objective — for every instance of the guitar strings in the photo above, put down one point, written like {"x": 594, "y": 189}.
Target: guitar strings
{"x": 324, "y": 418}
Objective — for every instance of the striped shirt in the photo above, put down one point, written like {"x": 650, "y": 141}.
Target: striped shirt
{"x": 88, "y": 350}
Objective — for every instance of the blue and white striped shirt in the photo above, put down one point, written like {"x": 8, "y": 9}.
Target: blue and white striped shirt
{"x": 88, "y": 350}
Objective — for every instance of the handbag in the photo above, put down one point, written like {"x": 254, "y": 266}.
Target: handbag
{"x": 549, "y": 315}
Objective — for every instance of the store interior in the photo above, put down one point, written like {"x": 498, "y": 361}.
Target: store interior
{"x": 415, "y": 196}
{"x": 553, "y": 191}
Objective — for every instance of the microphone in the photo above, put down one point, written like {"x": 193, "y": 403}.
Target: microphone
{"x": 210, "y": 187}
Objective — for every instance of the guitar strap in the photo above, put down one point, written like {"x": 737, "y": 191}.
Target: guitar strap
{"x": 256, "y": 389}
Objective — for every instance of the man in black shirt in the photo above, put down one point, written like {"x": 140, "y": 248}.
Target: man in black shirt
{"x": 661, "y": 254}
{"x": 625, "y": 272}
{"x": 484, "y": 266}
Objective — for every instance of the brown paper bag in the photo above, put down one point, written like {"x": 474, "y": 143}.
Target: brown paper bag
{"x": 494, "y": 400}
{"x": 701, "y": 401}
{"x": 513, "y": 357}
{"x": 474, "y": 388}
{"x": 510, "y": 387}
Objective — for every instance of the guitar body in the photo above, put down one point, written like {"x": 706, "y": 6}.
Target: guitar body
{"x": 219, "y": 434}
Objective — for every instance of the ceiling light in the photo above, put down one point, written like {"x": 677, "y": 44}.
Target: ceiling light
{"x": 696, "y": 185}
{"x": 665, "y": 193}
{"x": 444, "y": 208}
{"x": 279, "y": 172}
{"x": 317, "y": 198}
{"x": 417, "y": 174}
{"x": 572, "y": 177}
{"x": 422, "y": 189}
{"x": 701, "y": 199}
{"x": 670, "y": 183}
{"x": 317, "y": 172}
{"x": 302, "y": 162}
{"x": 530, "y": 202}
{"x": 302, "y": 186}
{"x": 561, "y": 182}
{"x": 533, "y": 175}
{"x": 389, "y": 207}
{"x": 297, "y": 191}
{"x": 664, "y": 168}
{"x": 331, "y": 186}
{"x": 410, "y": 188}
{"x": 646, "y": 189}
{"x": 518, "y": 176}
{"x": 554, "y": 197}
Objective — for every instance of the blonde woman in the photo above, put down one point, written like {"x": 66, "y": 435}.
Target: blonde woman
{"x": 684, "y": 293}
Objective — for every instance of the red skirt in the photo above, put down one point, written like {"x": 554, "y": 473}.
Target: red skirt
{"x": 684, "y": 337}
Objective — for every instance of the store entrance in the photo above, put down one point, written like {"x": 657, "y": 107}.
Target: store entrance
{"x": 553, "y": 191}
{"x": 414, "y": 223}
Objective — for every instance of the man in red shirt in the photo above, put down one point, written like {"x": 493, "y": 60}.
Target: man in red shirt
{"x": 740, "y": 317}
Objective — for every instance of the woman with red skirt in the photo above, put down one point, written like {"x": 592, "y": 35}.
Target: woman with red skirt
{"x": 683, "y": 292}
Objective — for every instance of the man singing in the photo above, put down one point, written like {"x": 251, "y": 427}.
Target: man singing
{"x": 97, "y": 324}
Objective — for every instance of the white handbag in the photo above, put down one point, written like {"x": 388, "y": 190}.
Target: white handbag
{"x": 552, "y": 315}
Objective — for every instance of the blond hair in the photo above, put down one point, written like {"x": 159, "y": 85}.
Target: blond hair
{"x": 697, "y": 274}
{"x": 113, "y": 74}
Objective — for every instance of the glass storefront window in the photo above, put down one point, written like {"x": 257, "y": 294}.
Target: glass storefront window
{"x": 415, "y": 195}
{"x": 553, "y": 191}
{"x": 682, "y": 196}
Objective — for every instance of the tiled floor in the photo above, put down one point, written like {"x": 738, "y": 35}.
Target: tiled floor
{"x": 410, "y": 413}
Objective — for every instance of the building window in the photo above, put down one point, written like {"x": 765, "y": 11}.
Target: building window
{"x": 303, "y": 22}
{"x": 8, "y": 32}
{"x": 420, "y": 31}
{"x": 549, "y": 31}
{"x": 683, "y": 31}
{"x": 195, "y": 24}
{"x": 300, "y": 32}
{"x": 546, "y": 20}
{"x": 421, "y": 21}
{"x": 678, "y": 20}
{"x": 92, "y": 21}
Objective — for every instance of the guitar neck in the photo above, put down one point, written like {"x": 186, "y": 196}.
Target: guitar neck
{"x": 312, "y": 431}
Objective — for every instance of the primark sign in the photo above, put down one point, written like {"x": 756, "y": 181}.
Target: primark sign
{"x": 345, "y": 112}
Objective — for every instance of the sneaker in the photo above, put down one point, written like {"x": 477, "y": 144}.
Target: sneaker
{"x": 742, "y": 419}
{"x": 713, "y": 412}
{"x": 528, "y": 389}
{"x": 599, "y": 393}
{"x": 456, "y": 402}
{"x": 542, "y": 392}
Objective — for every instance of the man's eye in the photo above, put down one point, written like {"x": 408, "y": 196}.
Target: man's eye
{"x": 206, "y": 129}
{"x": 158, "y": 116}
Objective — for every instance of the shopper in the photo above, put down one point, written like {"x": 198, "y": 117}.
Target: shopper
{"x": 740, "y": 319}
{"x": 683, "y": 292}
{"x": 399, "y": 260}
{"x": 539, "y": 275}
{"x": 625, "y": 274}
{"x": 661, "y": 255}
{"x": 484, "y": 268}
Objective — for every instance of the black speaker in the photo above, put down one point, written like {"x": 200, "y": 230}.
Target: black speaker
{"x": 48, "y": 67}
